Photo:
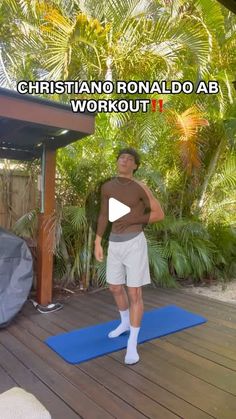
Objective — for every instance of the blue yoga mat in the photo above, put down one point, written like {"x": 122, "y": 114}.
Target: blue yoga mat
{"x": 91, "y": 342}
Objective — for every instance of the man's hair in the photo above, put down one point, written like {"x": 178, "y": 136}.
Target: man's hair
{"x": 132, "y": 152}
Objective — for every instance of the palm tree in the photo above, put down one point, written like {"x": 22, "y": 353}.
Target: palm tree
{"x": 81, "y": 36}
{"x": 137, "y": 40}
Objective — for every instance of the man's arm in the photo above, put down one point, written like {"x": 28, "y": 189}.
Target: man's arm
{"x": 155, "y": 211}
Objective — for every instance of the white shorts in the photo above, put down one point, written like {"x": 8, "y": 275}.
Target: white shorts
{"x": 127, "y": 262}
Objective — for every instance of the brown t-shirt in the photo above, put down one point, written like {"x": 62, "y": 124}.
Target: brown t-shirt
{"x": 130, "y": 193}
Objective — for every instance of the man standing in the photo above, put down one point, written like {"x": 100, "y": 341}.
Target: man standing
{"x": 127, "y": 259}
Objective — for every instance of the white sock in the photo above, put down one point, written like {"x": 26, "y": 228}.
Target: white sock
{"x": 123, "y": 326}
{"x": 132, "y": 355}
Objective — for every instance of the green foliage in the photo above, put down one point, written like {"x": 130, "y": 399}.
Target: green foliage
{"x": 26, "y": 226}
{"x": 224, "y": 238}
{"x": 189, "y": 167}
{"x": 182, "y": 248}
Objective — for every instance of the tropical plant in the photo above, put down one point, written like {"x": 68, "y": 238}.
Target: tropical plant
{"x": 187, "y": 150}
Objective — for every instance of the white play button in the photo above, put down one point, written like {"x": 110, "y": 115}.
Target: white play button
{"x": 117, "y": 209}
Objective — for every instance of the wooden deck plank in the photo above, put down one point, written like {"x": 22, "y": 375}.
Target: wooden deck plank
{"x": 210, "y": 306}
{"x": 192, "y": 345}
{"x": 195, "y": 391}
{"x": 205, "y": 344}
{"x": 60, "y": 385}
{"x": 190, "y": 374}
{"x": 162, "y": 396}
{"x": 164, "y": 297}
{"x": 206, "y": 370}
{"x": 200, "y": 298}
{"x": 114, "y": 314}
{"x": 190, "y": 380}
{"x": 229, "y": 344}
{"x": 150, "y": 302}
{"x": 202, "y": 346}
{"x": 151, "y": 389}
{"x": 223, "y": 342}
{"x": 185, "y": 340}
{"x": 88, "y": 321}
{"x": 213, "y": 315}
{"x": 221, "y": 374}
{"x": 216, "y": 334}
{"x": 6, "y": 381}
{"x": 26, "y": 379}
{"x": 128, "y": 393}
{"x": 101, "y": 395}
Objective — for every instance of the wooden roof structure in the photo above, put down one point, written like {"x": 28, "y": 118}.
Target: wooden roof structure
{"x": 27, "y": 123}
{"x": 32, "y": 128}
{"x": 229, "y": 4}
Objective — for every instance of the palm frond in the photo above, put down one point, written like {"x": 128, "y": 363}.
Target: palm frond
{"x": 5, "y": 80}
{"x": 194, "y": 35}
{"x": 76, "y": 217}
{"x": 186, "y": 126}
{"x": 158, "y": 263}
{"x": 212, "y": 15}
{"x": 27, "y": 224}
{"x": 100, "y": 269}
{"x": 227, "y": 175}
{"x": 200, "y": 253}
{"x": 228, "y": 204}
{"x": 187, "y": 123}
{"x": 176, "y": 253}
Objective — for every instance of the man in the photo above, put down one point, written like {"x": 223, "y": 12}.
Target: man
{"x": 127, "y": 257}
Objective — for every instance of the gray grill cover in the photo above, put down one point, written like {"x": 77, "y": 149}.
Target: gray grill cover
{"x": 16, "y": 275}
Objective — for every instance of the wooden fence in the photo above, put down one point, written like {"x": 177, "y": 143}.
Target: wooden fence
{"x": 18, "y": 195}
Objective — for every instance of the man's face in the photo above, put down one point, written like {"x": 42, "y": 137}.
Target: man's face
{"x": 126, "y": 164}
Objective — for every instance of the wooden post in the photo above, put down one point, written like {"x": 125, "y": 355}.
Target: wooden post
{"x": 46, "y": 232}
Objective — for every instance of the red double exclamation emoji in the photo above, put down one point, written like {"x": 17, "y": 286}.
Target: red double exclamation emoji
{"x": 154, "y": 104}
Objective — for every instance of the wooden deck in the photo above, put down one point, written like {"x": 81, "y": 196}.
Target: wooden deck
{"x": 190, "y": 374}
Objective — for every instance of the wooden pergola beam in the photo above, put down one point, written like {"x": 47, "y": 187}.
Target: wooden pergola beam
{"x": 17, "y": 154}
{"x": 29, "y": 126}
{"x": 229, "y": 4}
{"x": 46, "y": 232}
{"x": 18, "y": 108}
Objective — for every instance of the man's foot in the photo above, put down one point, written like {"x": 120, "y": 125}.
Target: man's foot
{"x": 132, "y": 356}
{"x": 124, "y": 326}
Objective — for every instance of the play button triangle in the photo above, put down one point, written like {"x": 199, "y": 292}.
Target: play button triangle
{"x": 117, "y": 209}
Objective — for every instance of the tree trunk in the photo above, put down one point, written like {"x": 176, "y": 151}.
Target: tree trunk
{"x": 182, "y": 196}
{"x": 210, "y": 172}
{"x": 88, "y": 257}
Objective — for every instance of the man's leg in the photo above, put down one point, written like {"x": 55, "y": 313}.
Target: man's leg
{"x": 136, "y": 305}
{"x": 122, "y": 302}
{"x": 136, "y": 313}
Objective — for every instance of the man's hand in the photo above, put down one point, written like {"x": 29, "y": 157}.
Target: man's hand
{"x": 128, "y": 220}
{"x": 98, "y": 252}
{"x": 157, "y": 213}
{"x": 122, "y": 223}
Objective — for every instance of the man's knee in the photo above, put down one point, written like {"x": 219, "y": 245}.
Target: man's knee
{"x": 116, "y": 289}
{"x": 135, "y": 295}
